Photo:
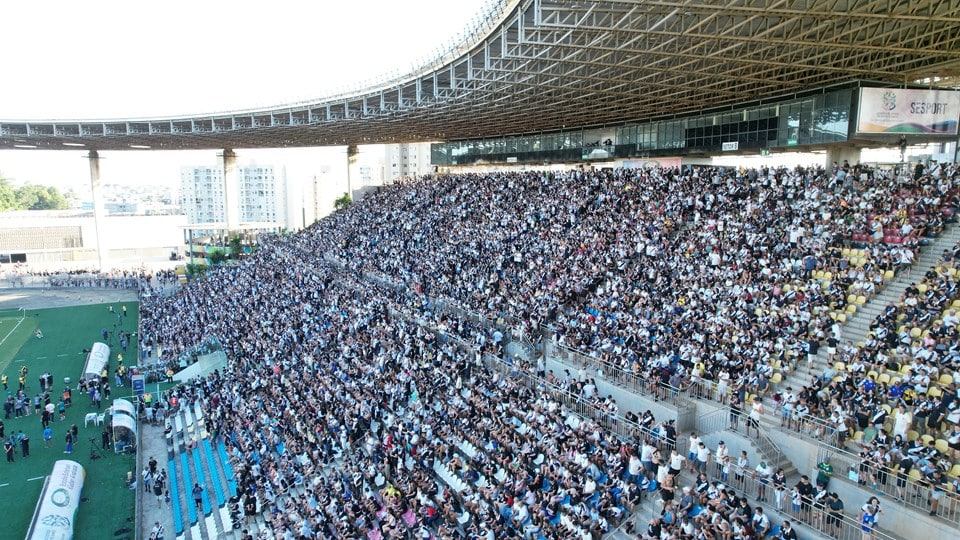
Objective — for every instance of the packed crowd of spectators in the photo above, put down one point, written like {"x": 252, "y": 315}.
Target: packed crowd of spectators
{"x": 141, "y": 278}
{"x": 696, "y": 274}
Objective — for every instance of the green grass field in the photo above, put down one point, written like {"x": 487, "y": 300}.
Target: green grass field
{"x": 107, "y": 505}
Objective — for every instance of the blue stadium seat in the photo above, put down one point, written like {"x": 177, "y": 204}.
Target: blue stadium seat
{"x": 227, "y": 469}
{"x": 175, "y": 498}
{"x": 217, "y": 487}
{"x": 191, "y": 508}
{"x": 200, "y": 480}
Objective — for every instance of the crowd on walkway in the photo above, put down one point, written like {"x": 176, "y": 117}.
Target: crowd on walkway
{"x": 674, "y": 274}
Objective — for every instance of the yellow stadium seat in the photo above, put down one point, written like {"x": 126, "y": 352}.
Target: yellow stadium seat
{"x": 912, "y": 435}
{"x": 955, "y": 471}
{"x": 945, "y": 379}
{"x": 888, "y": 274}
{"x": 933, "y": 391}
{"x": 841, "y": 318}
{"x": 916, "y": 332}
{"x": 828, "y": 276}
{"x": 942, "y": 446}
{"x": 915, "y": 475}
{"x": 858, "y": 436}
{"x": 926, "y": 439}
{"x": 955, "y": 304}
{"x": 787, "y": 288}
{"x": 905, "y": 369}
{"x": 922, "y": 288}
{"x": 894, "y": 380}
{"x": 776, "y": 378}
{"x": 851, "y": 298}
{"x": 840, "y": 366}
{"x": 851, "y": 308}
{"x": 861, "y": 300}
{"x": 845, "y": 252}
{"x": 886, "y": 408}
{"x": 818, "y": 274}
{"x": 884, "y": 378}
{"x": 873, "y": 374}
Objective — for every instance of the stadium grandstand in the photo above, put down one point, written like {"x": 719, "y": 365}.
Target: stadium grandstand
{"x": 619, "y": 344}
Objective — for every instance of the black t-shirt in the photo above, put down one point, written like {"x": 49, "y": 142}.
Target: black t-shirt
{"x": 806, "y": 491}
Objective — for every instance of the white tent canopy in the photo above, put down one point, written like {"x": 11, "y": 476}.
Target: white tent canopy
{"x": 123, "y": 407}
{"x": 97, "y": 360}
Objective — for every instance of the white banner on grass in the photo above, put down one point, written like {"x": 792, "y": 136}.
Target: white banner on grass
{"x": 56, "y": 510}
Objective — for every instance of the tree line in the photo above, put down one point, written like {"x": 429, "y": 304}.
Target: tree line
{"x": 30, "y": 197}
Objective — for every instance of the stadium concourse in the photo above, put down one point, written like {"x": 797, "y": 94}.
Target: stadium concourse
{"x": 394, "y": 369}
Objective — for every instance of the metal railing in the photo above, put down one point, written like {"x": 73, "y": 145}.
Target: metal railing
{"x": 622, "y": 377}
{"x": 910, "y": 491}
{"x": 76, "y": 281}
{"x": 617, "y": 424}
{"x": 845, "y": 527}
{"x": 713, "y": 422}
{"x": 720, "y": 420}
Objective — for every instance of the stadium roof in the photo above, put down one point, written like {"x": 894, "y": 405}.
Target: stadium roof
{"x": 546, "y": 65}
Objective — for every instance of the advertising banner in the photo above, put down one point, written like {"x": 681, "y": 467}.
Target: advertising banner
{"x": 899, "y": 110}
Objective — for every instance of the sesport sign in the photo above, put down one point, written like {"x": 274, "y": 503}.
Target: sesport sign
{"x": 900, "y": 110}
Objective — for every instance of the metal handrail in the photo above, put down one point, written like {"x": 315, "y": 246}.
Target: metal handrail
{"x": 637, "y": 383}
{"x": 913, "y": 493}
{"x": 849, "y": 526}
{"x": 617, "y": 424}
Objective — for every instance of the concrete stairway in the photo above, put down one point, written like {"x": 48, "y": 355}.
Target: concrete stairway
{"x": 858, "y": 325}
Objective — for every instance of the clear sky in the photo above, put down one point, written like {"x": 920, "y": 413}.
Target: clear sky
{"x": 101, "y": 59}
{"x": 65, "y": 59}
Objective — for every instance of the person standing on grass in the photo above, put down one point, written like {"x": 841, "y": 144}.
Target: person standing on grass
{"x": 47, "y": 435}
{"x": 8, "y": 447}
{"x": 24, "y": 444}
{"x": 69, "y": 441}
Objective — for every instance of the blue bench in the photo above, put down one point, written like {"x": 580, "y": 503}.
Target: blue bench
{"x": 217, "y": 487}
{"x": 187, "y": 488}
{"x": 200, "y": 480}
{"x": 227, "y": 469}
{"x": 175, "y": 498}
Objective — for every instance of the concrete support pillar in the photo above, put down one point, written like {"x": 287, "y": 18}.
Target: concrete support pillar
{"x": 231, "y": 190}
{"x": 353, "y": 167}
{"x": 842, "y": 152}
{"x": 98, "y": 212}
